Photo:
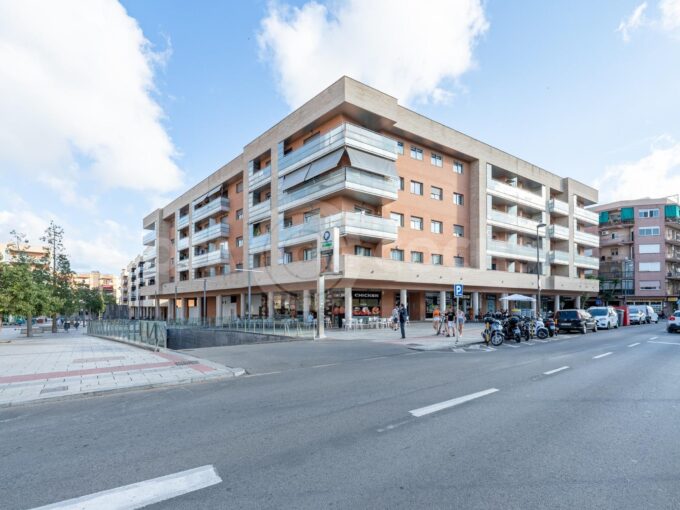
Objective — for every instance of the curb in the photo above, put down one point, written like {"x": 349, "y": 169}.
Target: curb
{"x": 424, "y": 348}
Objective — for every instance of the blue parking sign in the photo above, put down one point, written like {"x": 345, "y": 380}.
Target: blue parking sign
{"x": 458, "y": 290}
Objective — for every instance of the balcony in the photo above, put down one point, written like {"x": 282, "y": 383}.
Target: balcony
{"x": 208, "y": 234}
{"x": 260, "y": 243}
{"x": 558, "y": 207}
{"x": 182, "y": 243}
{"x": 673, "y": 275}
{"x": 558, "y": 232}
{"x": 616, "y": 241}
{"x": 512, "y": 221}
{"x": 558, "y": 257}
{"x": 210, "y": 209}
{"x": 260, "y": 211}
{"x": 149, "y": 238}
{"x": 182, "y": 265}
{"x": 586, "y": 239}
{"x": 260, "y": 178}
{"x": 343, "y": 135}
{"x": 586, "y": 216}
{"x": 220, "y": 256}
{"x": 513, "y": 251}
{"x": 182, "y": 221}
{"x": 149, "y": 254}
{"x": 587, "y": 262}
{"x": 514, "y": 194}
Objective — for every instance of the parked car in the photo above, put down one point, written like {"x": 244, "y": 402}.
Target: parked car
{"x": 575, "y": 319}
{"x": 605, "y": 316}
{"x": 651, "y": 315}
{"x": 674, "y": 322}
{"x": 637, "y": 315}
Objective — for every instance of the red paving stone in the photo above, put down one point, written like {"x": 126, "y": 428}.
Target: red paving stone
{"x": 85, "y": 371}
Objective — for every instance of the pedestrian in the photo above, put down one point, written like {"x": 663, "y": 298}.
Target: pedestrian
{"x": 395, "y": 318}
{"x": 450, "y": 319}
{"x": 436, "y": 317}
{"x": 460, "y": 318}
{"x": 402, "y": 320}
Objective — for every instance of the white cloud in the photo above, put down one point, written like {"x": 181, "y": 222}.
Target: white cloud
{"x": 76, "y": 91}
{"x": 409, "y": 49}
{"x": 655, "y": 175}
{"x": 632, "y": 22}
{"x": 670, "y": 14}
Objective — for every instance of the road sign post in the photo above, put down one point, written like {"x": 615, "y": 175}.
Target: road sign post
{"x": 457, "y": 293}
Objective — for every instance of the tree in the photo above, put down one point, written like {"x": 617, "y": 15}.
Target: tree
{"x": 61, "y": 277}
{"x": 89, "y": 300}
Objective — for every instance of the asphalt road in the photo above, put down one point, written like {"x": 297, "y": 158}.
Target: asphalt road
{"x": 356, "y": 431}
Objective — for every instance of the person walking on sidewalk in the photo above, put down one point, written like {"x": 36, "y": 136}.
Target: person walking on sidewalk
{"x": 460, "y": 319}
{"x": 402, "y": 320}
{"x": 436, "y": 317}
{"x": 450, "y": 322}
{"x": 395, "y": 318}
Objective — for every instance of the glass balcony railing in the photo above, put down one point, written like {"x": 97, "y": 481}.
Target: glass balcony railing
{"x": 345, "y": 134}
{"x": 182, "y": 221}
{"x": 586, "y": 238}
{"x": 149, "y": 253}
{"x": 512, "y": 220}
{"x": 558, "y": 232}
{"x": 260, "y": 211}
{"x": 149, "y": 237}
{"x": 149, "y": 272}
{"x": 211, "y": 208}
{"x": 220, "y": 256}
{"x": 515, "y": 194}
{"x": 182, "y": 243}
{"x": 182, "y": 265}
{"x": 349, "y": 223}
{"x": 260, "y": 243}
{"x": 510, "y": 250}
{"x": 586, "y": 216}
{"x": 344, "y": 178}
{"x": 558, "y": 257}
{"x": 558, "y": 207}
{"x": 259, "y": 177}
{"x": 585, "y": 261}
{"x": 207, "y": 234}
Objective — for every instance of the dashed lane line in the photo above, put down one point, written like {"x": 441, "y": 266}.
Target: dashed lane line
{"x": 422, "y": 411}
{"x": 654, "y": 338}
{"x": 633, "y": 345}
{"x": 602, "y": 355}
{"x": 665, "y": 343}
{"x": 551, "y": 372}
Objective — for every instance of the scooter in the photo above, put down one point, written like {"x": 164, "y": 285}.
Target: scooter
{"x": 493, "y": 332}
{"x": 512, "y": 329}
{"x": 550, "y": 325}
{"x": 542, "y": 331}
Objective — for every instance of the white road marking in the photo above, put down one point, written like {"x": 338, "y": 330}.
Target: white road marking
{"x": 665, "y": 343}
{"x": 550, "y": 372}
{"x": 422, "y": 411}
{"x": 510, "y": 345}
{"x": 539, "y": 340}
{"x": 326, "y": 365}
{"x": 141, "y": 494}
{"x": 633, "y": 345}
{"x": 654, "y": 338}
{"x": 602, "y": 355}
{"x": 264, "y": 373}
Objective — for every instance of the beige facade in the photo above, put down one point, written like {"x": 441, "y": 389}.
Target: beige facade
{"x": 418, "y": 207}
{"x": 105, "y": 283}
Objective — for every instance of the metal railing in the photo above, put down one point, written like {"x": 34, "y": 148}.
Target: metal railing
{"x": 152, "y": 333}
{"x": 281, "y": 327}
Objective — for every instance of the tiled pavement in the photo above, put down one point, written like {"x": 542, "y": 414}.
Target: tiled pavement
{"x": 74, "y": 364}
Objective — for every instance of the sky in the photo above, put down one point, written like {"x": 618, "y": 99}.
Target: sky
{"x": 110, "y": 109}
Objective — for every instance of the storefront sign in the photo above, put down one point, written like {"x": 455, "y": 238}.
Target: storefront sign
{"x": 365, "y": 294}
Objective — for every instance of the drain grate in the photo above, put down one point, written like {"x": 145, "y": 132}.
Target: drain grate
{"x": 53, "y": 389}
{"x": 187, "y": 362}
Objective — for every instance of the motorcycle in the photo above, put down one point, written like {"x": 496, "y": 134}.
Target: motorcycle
{"x": 493, "y": 332}
{"x": 512, "y": 329}
{"x": 551, "y": 327}
{"x": 542, "y": 331}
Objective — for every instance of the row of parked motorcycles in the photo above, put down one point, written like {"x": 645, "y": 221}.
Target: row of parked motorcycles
{"x": 498, "y": 328}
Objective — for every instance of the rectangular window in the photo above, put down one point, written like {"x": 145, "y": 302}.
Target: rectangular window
{"x": 309, "y": 254}
{"x": 416, "y": 223}
{"x": 649, "y": 266}
{"x": 416, "y": 188}
{"x": 436, "y": 193}
{"x": 287, "y": 257}
{"x": 239, "y": 265}
{"x": 416, "y": 153}
{"x": 417, "y": 257}
{"x": 287, "y": 222}
{"x": 362, "y": 251}
{"x": 436, "y": 227}
{"x": 458, "y": 198}
{"x": 650, "y": 285}
{"x": 458, "y": 261}
{"x": 437, "y": 259}
{"x": 458, "y": 231}
{"x": 650, "y": 248}
{"x": 311, "y": 216}
{"x": 239, "y": 214}
{"x": 457, "y": 167}
{"x": 648, "y": 231}
{"x": 397, "y": 255}
{"x": 239, "y": 187}
{"x": 398, "y": 217}
{"x": 400, "y": 148}
{"x": 437, "y": 160}
{"x": 239, "y": 242}
{"x": 648, "y": 213}
{"x": 401, "y": 183}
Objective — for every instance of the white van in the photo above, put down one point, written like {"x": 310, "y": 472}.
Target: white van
{"x": 652, "y": 316}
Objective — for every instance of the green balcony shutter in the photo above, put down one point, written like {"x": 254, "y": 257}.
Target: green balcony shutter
{"x": 627, "y": 213}
{"x": 672, "y": 211}
{"x": 604, "y": 217}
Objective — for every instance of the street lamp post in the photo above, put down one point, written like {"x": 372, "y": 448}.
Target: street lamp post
{"x": 174, "y": 308}
{"x": 248, "y": 315}
{"x": 538, "y": 268}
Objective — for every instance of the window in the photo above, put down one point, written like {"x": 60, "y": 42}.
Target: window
{"x": 287, "y": 257}
{"x": 239, "y": 187}
{"x": 417, "y": 257}
{"x": 362, "y": 210}
{"x": 239, "y": 265}
{"x": 416, "y": 188}
{"x": 287, "y": 222}
{"x": 437, "y": 160}
{"x": 649, "y": 231}
{"x": 416, "y": 153}
{"x": 401, "y": 183}
{"x": 648, "y": 213}
{"x": 650, "y": 248}
{"x": 398, "y": 217}
{"x": 239, "y": 214}
{"x": 614, "y": 252}
{"x": 650, "y": 285}
{"x": 649, "y": 266}
{"x": 400, "y": 148}
{"x": 436, "y": 227}
{"x": 457, "y": 167}
{"x": 239, "y": 242}
{"x": 458, "y": 231}
{"x": 397, "y": 255}
{"x": 436, "y": 193}
{"x": 309, "y": 254}
{"x": 362, "y": 251}
{"x": 416, "y": 223}
{"x": 311, "y": 216}
{"x": 458, "y": 261}
{"x": 458, "y": 198}
{"x": 437, "y": 259}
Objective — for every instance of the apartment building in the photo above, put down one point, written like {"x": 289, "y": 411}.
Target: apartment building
{"x": 134, "y": 278}
{"x": 107, "y": 284}
{"x": 418, "y": 207}
{"x": 9, "y": 252}
{"x": 640, "y": 252}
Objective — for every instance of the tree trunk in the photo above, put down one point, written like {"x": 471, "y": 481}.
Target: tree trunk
{"x": 29, "y": 325}
{"x": 54, "y": 323}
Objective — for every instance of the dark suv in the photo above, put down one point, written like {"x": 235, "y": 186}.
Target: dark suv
{"x": 575, "y": 319}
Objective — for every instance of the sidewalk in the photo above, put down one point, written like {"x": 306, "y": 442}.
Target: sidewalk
{"x": 68, "y": 365}
{"x": 419, "y": 336}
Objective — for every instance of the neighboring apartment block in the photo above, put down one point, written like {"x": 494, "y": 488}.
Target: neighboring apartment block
{"x": 10, "y": 253}
{"x": 133, "y": 278}
{"x": 640, "y": 252}
{"x": 107, "y": 284}
{"x": 419, "y": 207}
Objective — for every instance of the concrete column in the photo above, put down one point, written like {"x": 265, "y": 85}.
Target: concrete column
{"x": 442, "y": 301}
{"x": 475, "y": 304}
{"x": 270, "y": 304}
{"x": 184, "y": 309}
{"x": 577, "y": 302}
{"x": 172, "y": 309}
{"x": 557, "y": 303}
{"x": 218, "y": 307}
{"x": 403, "y": 297}
{"x": 242, "y": 300}
{"x": 348, "y": 302}
{"x": 157, "y": 309}
{"x": 199, "y": 306}
{"x": 305, "y": 304}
